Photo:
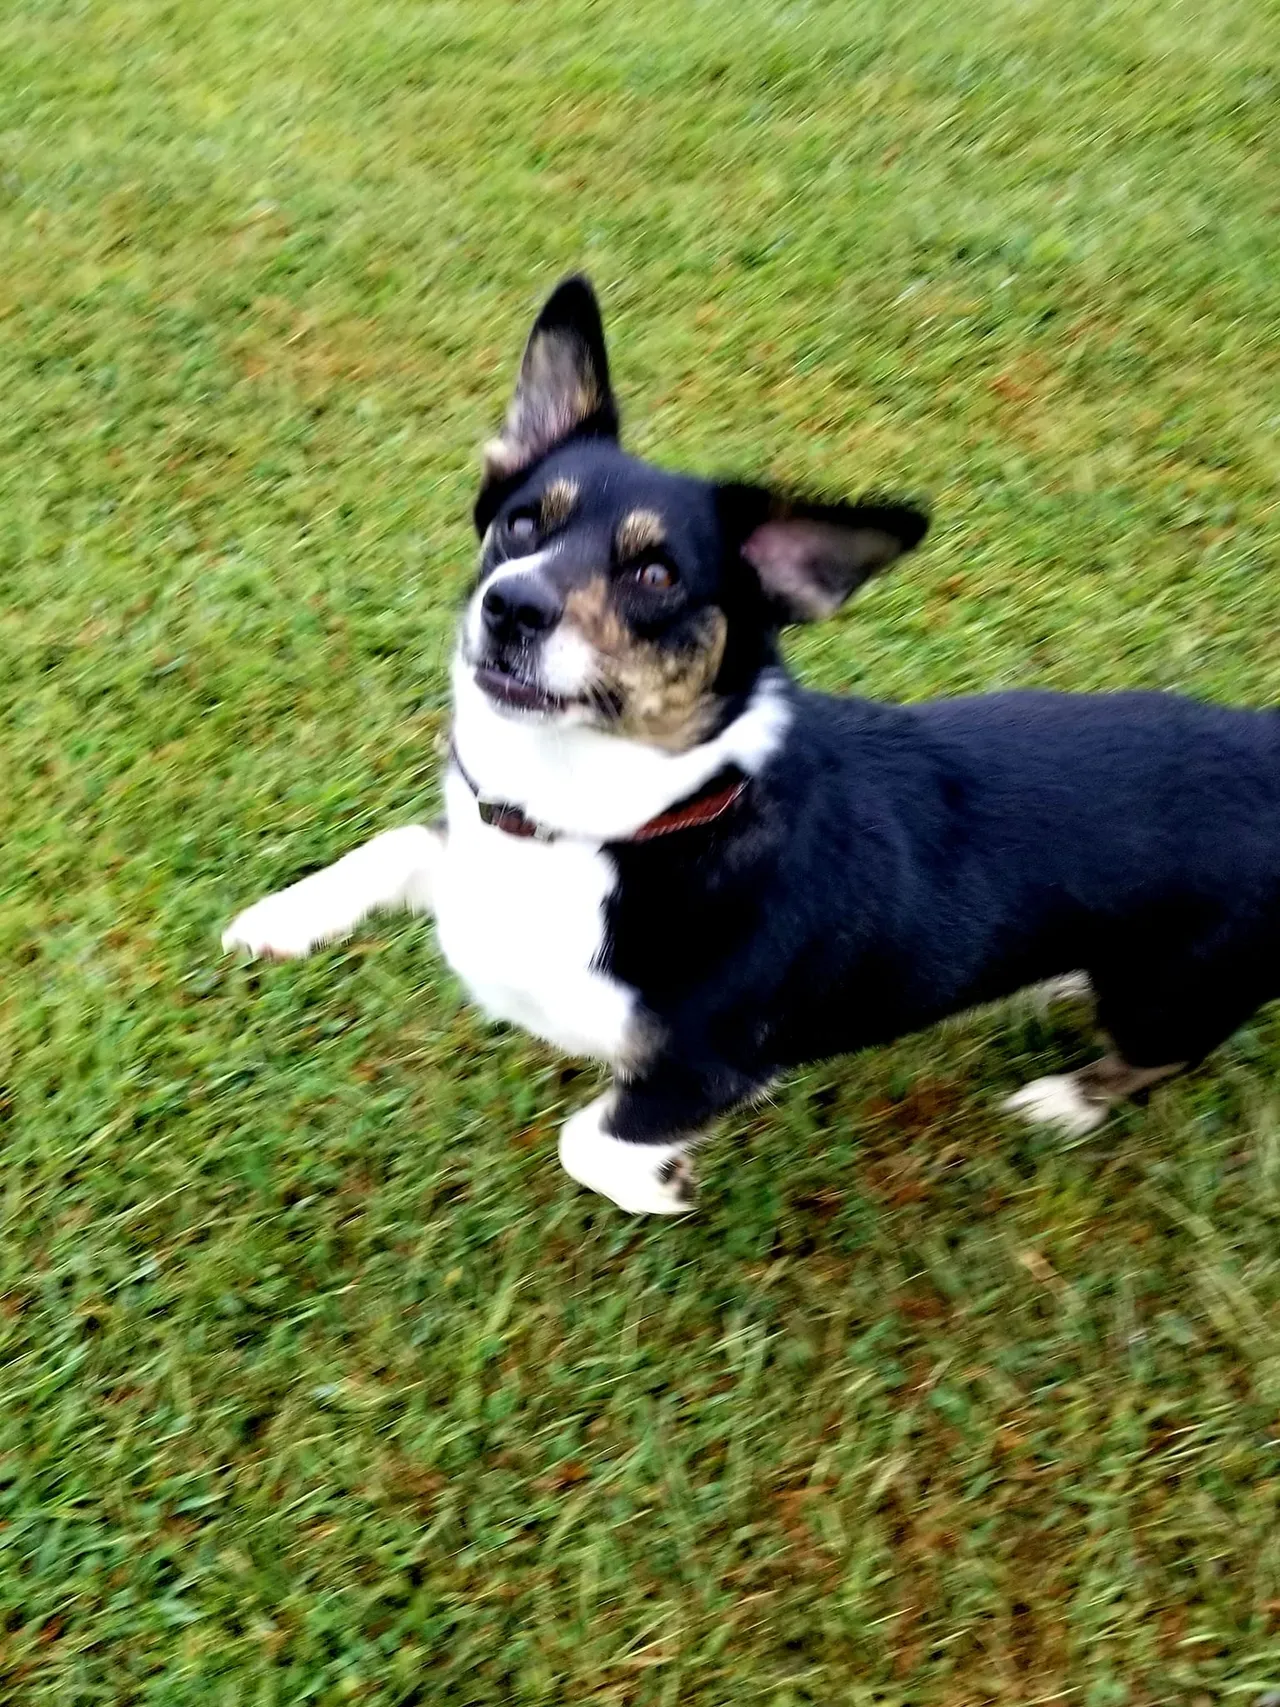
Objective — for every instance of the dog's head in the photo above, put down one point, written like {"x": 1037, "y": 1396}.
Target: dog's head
{"x": 615, "y": 594}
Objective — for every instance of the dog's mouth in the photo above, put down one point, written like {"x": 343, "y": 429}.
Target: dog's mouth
{"x": 508, "y": 688}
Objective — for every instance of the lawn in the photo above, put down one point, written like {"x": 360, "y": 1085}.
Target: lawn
{"x": 320, "y": 1382}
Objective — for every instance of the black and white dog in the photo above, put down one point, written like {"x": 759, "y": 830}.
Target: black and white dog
{"x": 660, "y": 852}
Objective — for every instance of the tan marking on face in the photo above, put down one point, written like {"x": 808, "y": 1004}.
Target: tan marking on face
{"x": 638, "y": 532}
{"x": 558, "y": 503}
{"x": 664, "y": 695}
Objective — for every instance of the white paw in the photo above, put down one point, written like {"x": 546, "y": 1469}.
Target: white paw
{"x": 287, "y": 925}
{"x": 643, "y": 1179}
{"x": 1057, "y": 1101}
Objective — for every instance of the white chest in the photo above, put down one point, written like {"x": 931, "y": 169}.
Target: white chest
{"x": 522, "y": 923}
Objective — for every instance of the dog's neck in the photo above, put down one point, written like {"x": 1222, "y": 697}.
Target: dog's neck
{"x": 587, "y": 783}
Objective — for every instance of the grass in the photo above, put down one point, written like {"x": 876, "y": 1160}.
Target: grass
{"x": 320, "y": 1382}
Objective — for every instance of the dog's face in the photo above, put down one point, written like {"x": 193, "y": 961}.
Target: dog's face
{"x": 616, "y": 594}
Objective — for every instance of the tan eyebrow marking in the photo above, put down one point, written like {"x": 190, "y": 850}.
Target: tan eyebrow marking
{"x": 642, "y": 530}
{"x": 558, "y": 502}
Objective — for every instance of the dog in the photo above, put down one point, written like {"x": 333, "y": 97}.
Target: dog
{"x": 661, "y": 852}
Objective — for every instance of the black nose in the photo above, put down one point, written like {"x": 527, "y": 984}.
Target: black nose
{"x": 520, "y": 608}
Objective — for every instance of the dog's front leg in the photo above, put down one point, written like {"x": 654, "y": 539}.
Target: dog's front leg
{"x": 633, "y": 1144}
{"x": 643, "y": 1179}
{"x": 395, "y": 869}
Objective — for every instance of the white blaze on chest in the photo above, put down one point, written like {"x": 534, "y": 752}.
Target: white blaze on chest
{"x": 523, "y": 923}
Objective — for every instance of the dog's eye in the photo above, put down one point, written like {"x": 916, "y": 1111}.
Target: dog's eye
{"x": 522, "y": 527}
{"x": 656, "y": 576}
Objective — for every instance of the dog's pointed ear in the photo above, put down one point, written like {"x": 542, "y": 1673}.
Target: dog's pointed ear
{"x": 562, "y": 391}
{"x": 808, "y": 557}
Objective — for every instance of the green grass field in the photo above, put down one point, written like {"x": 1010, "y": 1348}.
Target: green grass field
{"x": 320, "y": 1382}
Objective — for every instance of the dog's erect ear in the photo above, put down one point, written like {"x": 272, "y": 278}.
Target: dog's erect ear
{"x": 808, "y": 557}
{"x": 563, "y": 388}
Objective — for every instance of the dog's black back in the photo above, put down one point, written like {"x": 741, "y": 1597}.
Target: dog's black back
{"x": 894, "y": 865}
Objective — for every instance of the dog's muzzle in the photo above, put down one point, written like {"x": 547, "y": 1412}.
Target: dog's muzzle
{"x": 518, "y": 614}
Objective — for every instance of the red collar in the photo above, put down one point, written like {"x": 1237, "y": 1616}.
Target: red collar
{"x": 711, "y": 801}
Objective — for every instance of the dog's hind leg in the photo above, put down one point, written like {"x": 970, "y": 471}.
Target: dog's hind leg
{"x": 1162, "y": 1013}
{"x": 1078, "y": 1103}
{"x": 395, "y": 869}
